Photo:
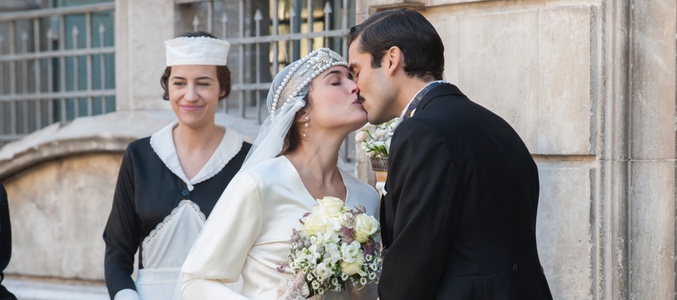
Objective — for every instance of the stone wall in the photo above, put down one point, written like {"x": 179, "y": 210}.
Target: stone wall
{"x": 64, "y": 205}
{"x": 532, "y": 65}
{"x": 60, "y": 183}
{"x": 590, "y": 87}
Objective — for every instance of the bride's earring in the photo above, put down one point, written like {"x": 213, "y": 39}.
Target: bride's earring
{"x": 305, "y": 127}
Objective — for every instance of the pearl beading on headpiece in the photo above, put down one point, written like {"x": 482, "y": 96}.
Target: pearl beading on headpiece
{"x": 302, "y": 73}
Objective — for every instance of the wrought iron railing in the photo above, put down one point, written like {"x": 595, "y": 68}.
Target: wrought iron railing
{"x": 56, "y": 64}
{"x": 264, "y": 40}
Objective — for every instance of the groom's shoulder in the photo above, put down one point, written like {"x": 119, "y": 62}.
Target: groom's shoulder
{"x": 420, "y": 127}
{"x": 446, "y": 91}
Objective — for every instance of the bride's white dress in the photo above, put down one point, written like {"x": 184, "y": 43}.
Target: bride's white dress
{"x": 248, "y": 234}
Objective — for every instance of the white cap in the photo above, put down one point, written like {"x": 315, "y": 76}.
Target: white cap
{"x": 196, "y": 51}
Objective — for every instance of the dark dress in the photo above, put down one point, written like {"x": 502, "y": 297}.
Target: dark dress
{"x": 151, "y": 190}
{"x": 459, "y": 215}
{"x": 5, "y": 242}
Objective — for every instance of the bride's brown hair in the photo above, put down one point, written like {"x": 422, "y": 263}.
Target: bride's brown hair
{"x": 293, "y": 138}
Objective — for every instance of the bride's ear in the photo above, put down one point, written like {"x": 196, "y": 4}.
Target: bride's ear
{"x": 303, "y": 115}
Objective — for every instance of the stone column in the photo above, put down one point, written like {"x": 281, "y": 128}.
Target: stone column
{"x": 651, "y": 147}
{"x": 140, "y": 52}
{"x": 610, "y": 228}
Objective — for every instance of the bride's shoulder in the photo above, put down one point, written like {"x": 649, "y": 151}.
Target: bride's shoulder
{"x": 268, "y": 166}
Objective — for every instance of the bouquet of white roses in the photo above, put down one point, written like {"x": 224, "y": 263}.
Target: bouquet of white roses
{"x": 335, "y": 245}
{"x": 376, "y": 139}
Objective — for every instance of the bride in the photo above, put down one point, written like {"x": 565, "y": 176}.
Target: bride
{"x": 313, "y": 106}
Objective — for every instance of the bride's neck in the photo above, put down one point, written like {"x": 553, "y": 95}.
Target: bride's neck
{"x": 319, "y": 173}
{"x": 317, "y": 161}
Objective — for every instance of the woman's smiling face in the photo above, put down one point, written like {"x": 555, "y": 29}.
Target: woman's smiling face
{"x": 194, "y": 94}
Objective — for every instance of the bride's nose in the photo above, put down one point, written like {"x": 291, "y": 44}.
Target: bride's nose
{"x": 353, "y": 87}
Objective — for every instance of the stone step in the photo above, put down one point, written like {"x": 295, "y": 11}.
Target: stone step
{"x": 29, "y": 288}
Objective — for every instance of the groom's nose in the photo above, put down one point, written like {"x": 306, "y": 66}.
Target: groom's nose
{"x": 355, "y": 89}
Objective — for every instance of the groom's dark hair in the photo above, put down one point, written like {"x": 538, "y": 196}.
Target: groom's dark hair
{"x": 411, "y": 32}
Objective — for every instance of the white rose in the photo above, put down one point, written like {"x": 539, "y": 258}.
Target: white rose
{"x": 332, "y": 237}
{"x": 334, "y": 223}
{"x": 314, "y": 223}
{"x": 305, "y": 257}
{"x": 355, "y": 267}
{"x": 325, "y": 238}
{"x": 367, "y": 126}
{"x": 382, "y": 134}
{"x": 365, "y": 227}
{"x": 332, "y": 252}
{"x": 349, "y": 251}
{"x": 323, "y": 271}
{"x": 361, "y": 136}
{"x": 330, "y": 206}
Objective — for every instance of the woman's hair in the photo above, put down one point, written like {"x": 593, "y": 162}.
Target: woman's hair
{"x": 411, "y": 32}
{"x": 293, "y": 138}
{"x": 222, "y": 72}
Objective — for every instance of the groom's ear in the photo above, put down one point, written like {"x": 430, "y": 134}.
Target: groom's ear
{"x": 392, "y": 60}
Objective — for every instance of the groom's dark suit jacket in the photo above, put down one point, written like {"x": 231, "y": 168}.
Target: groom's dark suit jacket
{"x": 459, "y": 216}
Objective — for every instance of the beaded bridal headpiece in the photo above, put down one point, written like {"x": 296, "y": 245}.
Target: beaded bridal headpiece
{"x": 297, "y": 80}
{"x": 285, "y": 99}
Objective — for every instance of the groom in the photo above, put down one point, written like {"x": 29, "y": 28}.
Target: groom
{"x": 459, "y": 216}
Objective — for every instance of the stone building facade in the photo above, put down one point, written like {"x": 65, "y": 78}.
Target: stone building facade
{"x": 590, "y": 86}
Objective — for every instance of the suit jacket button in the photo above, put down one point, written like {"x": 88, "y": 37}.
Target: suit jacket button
{"x": 514, "y": 268}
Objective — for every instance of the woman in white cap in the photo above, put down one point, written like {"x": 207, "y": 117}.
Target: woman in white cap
{"x": 313, "y": 105}
{"x": 169, "y": 182}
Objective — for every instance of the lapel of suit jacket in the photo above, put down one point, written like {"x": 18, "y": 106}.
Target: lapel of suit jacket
{"x": 441, "y": 90}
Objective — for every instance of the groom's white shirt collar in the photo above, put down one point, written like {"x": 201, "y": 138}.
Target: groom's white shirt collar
{"x": 404, "y": 111}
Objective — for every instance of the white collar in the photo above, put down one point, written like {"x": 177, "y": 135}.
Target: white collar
{"x": 162, "y": 143}
{"x": 404, "y": 111}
